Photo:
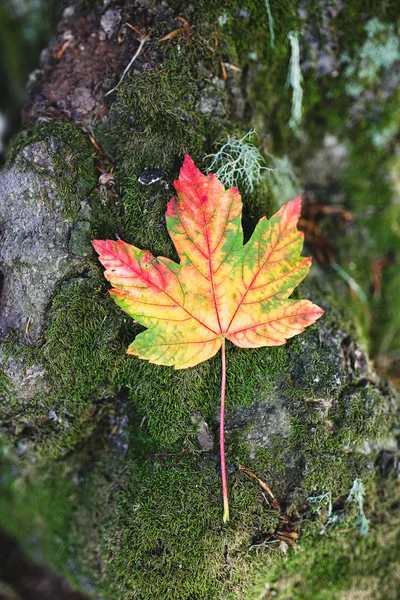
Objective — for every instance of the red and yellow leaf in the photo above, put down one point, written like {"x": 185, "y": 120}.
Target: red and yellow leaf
{"x": 221, "y": 289}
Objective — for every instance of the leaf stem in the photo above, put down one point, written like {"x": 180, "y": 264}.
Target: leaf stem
{"x": 222, "y": 435}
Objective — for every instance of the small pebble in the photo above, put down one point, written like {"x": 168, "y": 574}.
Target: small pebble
{"x": 150, "y": 176}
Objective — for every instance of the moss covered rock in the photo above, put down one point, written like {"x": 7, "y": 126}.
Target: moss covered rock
{"x": 110, "y": 468}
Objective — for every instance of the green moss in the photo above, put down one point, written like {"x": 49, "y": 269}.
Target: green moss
{"x": 39, "y": 504}
{"x": 380, "y": 51}
{"x": 6, "y": 387}
{"x": 81, "y": 332}
{"x": 318, "y": 438}
{"x": 245, "y": 38}
{"x": 82, "y": 348}
{"x": 11, "y": 347}
{"x": 49, "y": 505}
{"x": 177, "y": 546}
{"x": 370, "y": 181}
{"x": 365, "y": 49}
{"x": 154, "y": 120}
{"x": 340, "y": 564}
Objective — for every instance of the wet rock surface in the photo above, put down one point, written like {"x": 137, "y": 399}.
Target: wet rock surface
{"x": 23, "y": 579}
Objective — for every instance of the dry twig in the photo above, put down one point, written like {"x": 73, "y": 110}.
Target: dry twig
{"x": 143, "y": 40}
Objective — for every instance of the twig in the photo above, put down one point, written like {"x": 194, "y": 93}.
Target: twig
{"x": 99, "y": 112}
{"x": 143, "y": 40}
{"x": 264, "y": 543}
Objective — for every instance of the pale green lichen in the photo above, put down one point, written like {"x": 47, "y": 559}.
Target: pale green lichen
{"x": 282, "y": 180}
{"x": 323, "y": 504}
{"x": 318, "y": 502}
{"x": 271, "y": 24}
{"x": 356, "y": 496}
{"x": 294, "y": 81}
{"x": 238, "y": 163}
{"x": 380, "y": 51}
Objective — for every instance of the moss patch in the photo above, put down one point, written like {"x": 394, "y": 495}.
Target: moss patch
{"x": 38, "y": 502}
{"x": 340, "y": 564}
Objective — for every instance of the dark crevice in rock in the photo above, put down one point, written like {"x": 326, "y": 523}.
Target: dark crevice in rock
{"x": 26, "y": 579}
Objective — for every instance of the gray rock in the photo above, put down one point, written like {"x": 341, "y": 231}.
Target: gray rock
{"x": 39, "y": 245}
{"x": 110, "y": 21}
{"x": 27, "y": 381}
{"x": 79, "y": 239}
{"x": 204, "y": 435}
{"x": 210, "y": 101}
{"x": 327, "y": 163}
{"x": 262, "y": 422}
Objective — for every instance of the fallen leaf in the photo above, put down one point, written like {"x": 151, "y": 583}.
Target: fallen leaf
{"x": 232, "y": 67}
{"x": 378, "y": 267}
{"x": 121, "y": 29}
{"x": 223, "y": 71}
{"x": 221, "y": 290}
{"x": 313, "y": 212}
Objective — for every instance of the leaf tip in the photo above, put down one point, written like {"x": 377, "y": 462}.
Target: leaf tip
{"x": 187, "y": 160}
{"x": 290, "y": 212}
{"x": 315, "y": 313}
{"x": 294, "y": 207}
{"x": 188, "y": 169}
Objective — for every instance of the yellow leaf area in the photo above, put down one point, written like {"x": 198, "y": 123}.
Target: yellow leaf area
{"x": 221, "y": 288}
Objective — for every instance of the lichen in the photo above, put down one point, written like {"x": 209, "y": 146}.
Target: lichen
{"x": 340, "y": 564}
{"x": 238, "y": 163}
{"x": 271, "y": 23}
{"x": 380, "y": 51}
{"x": 356, "y": 496}
{"x": 294, "y": 80}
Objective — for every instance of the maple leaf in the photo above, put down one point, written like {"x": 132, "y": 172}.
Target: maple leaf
{"x": 221, "y": 290}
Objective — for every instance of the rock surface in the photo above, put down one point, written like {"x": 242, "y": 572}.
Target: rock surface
{"x": 36, "y": 245}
